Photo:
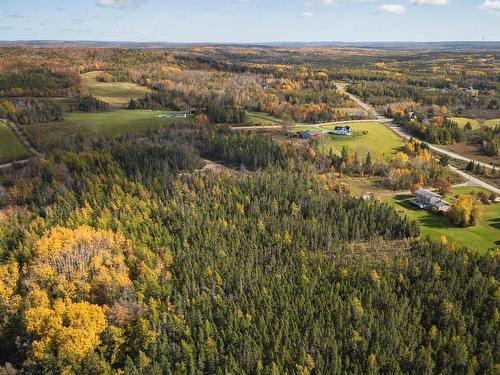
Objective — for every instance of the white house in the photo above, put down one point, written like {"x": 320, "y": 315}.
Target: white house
{"x": 174, "y": 115}
{"x": 425, "y": 199}
{"x": 341, "y": 130}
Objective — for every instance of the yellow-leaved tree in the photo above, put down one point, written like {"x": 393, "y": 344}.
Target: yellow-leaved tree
{"x": 9, "y": 299}
{"x": 466, "y": 210}
{"x": 80, "y": 264}
{"x": 67, "y": 330}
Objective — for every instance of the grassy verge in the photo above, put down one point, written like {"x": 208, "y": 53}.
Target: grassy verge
{"x": 117, "y": 94}
{"x": 10, "y": 147}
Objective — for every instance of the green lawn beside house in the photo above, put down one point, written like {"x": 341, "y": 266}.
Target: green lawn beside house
{"x": 479, "y": 238}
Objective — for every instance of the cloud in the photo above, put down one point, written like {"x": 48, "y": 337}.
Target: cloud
{"x": 490, "y": 5}
{"x": 13, "y": 15}
{"x": 119, "y": 4}
{"x": 306, "y": 15}
{"x": 429, "y": 2}
{"x": 392, "y": 8}
{"x": 334, "y": 2}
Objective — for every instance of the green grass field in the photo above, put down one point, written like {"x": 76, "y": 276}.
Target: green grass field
{"x": 261, "y": 118}
{"x": 479, "y": 238}
{"x": 117, "y": 94}
{"x": 342, "y": 84}
{"x": 10, "y": 147}
{"x": 492, "y": 122}
{"x": 476, "y": 123}
{"x": 380, "y": 141}
{"x": 116, "y": 123}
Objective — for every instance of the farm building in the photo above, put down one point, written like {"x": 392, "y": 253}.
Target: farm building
{"x": 173, "y": 115}
{"x": 341, "y": 130}
{"x": 308, "y": 134}
{"x": 428, "y": 200}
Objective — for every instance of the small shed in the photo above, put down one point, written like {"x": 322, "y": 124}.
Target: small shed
{"x": 308, "y": 134}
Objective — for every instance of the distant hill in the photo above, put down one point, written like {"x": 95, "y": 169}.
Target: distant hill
{"x": 457, "y": 45}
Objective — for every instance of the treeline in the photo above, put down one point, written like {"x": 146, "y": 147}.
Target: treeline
{"x": 488, "y": 139}
{"x": 439, "y": 130}
{"x": 37, "y": 81}
{"x": 89, "y": 103}
{"x": 217, "y": 111}
{"x": 457, "y": 98}
{"x": 31, "y": 111}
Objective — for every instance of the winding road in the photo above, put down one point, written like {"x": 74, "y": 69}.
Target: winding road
{"x": 404, "y": 134}
{"x": 25, "y": 143}
{"x": 471, "y": 180}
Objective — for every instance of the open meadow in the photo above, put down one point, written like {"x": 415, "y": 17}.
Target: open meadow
{"x": 115, "y": 123}
{"x": 378, "y": 140}
{"x": 117, "y": 94}
{"x": 260, "y": 118}
{"x": 480, "y": 237}
{"x": 475, "y": 123}
{"x": 10, "y": 147}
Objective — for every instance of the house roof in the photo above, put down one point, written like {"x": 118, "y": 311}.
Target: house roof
{"x": 310, "y": 132}
{"x": 440, "y": 203}
{"x": 426, "y": 193}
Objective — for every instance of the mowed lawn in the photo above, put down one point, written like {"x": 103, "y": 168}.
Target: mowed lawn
{"x": 115, "y": 123}
{"x": 476, "y": 123}
{"x": 261, "y": 118}
{"x": 10, "y": 147}
{"x": 117, "y": 94}
{"x": 379, "y": 141}
{"x": 480, "y": 238}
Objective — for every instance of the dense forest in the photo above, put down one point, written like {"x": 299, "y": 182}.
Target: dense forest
{"x": 126, "y": 255}
{"x": 287, "y": 83}
{"x": 117, "y": 258}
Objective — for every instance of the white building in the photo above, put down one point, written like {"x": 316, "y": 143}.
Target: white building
{"x": 427, "y": 200}
{"x": 341, "y": 130}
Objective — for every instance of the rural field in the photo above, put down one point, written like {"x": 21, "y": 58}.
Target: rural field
{"x": 476, "y": 123}
{"x": 480, "y": 237}
{"x": 260, "y": 118}
{"x": 379, "y": 141}
{"x": 10, "y": 147}
{"x": 115, "y": 123}
{"x": 117, "y": 94}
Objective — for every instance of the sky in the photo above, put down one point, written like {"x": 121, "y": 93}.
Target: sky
{"x": 250, "y": 21}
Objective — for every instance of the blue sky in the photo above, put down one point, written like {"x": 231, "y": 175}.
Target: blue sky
{"x": 250, "y": 20}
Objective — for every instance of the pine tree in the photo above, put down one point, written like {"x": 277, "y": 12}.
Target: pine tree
{"x": 367, "y": 166}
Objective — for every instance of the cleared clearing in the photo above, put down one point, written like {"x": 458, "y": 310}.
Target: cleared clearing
{"x": 117, "y": 94}
{"x": 261, "y": 118}
{"x": 379, "y": 140}
{"x": 10, "y": 147}
{"x": 476, "y": 123}
{"x": 109, "y": 124}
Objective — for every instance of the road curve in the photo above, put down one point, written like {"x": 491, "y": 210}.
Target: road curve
{"x": 404, "y": 134}
{"x": 25, "y": 143}
{"x": 473, "y": 181}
